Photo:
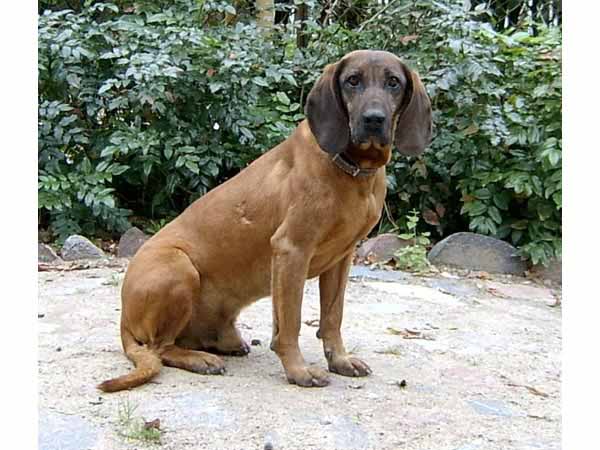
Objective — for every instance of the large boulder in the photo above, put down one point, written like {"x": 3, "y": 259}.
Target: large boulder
{"x": 130, "y": 242}
{"x": 477, "y": 252}
{"x": 46, "y": 254}
{"x": 380, "y": 248}
{"x": 79, "y": 247}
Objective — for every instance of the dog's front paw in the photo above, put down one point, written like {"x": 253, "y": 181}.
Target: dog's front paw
{"x": 349, "y": 366}
{"x": 308, "y": 376}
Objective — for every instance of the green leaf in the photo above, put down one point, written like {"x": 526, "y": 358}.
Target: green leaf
{"x": 557, "y": 198}
{"x": 73, "y": 80}
{"x": 108, "y": 151}
{"x": 475, "y": 208}
{"x": 119, "y": 169}
{"x": 215, "y": 86}
{"x": 192, "y": 166}
{"x": 482, "y": 194}
{"x": 495, "y": 214}
{"x": 283, "y": 98}
{"x": 290, "y": 80}
{"x": 147, "y": 167}
{"x": 502, "y": 199}
{"x": 260, "y": 81}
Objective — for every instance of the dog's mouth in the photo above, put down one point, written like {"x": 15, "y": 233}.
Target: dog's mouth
{"x": 369, "y": 142}
{"x": 375, "y": 143}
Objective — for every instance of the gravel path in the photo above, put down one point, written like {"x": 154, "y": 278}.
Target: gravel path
{"x": 458, "y": 363}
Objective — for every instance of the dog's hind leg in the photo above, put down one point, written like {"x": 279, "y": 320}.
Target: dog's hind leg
{"x": 192, "y": 360}
{"x": 157, "y": 307}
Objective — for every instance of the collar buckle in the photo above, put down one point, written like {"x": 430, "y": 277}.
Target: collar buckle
{"x": 350, "y": 167}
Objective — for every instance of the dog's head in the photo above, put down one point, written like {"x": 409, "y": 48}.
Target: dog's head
{"x": 369, "y": 100}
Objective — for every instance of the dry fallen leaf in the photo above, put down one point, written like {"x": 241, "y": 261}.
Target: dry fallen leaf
{"x": 152, "y": 424}
{"x": 479, "y": 274}
{"x": 530, "y": 389}
{"x": 409, "y": 38}
{"x": 410, "y": 334}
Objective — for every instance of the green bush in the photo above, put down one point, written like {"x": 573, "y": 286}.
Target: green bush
{"x": 146, "y": 111}
{"x": 145, "y": 108}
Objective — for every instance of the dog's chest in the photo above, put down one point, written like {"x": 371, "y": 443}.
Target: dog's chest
{"x": 356, "y": 218}
{"x": 372, "y": 213}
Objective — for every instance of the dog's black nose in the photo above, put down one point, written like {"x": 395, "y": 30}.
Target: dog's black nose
{"x": 373, "y": 119}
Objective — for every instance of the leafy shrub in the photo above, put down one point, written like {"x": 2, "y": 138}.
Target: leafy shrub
{"x": 413, "y": 257}
{"x": 146, "y": 111}
{"x": 145, "y": 108}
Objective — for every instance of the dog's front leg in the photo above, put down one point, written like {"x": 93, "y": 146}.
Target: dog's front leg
{"x": 332, "y": 286}
{"x": 289, "y": 268}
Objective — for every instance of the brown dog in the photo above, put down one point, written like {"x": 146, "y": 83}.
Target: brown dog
{"x": 297, "y": 212}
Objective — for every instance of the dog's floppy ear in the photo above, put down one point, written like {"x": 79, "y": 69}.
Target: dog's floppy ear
{"x": 413, "y": 129}
{"x": 327, "y": 116}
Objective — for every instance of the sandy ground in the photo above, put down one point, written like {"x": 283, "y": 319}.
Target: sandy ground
{"x": 478, "y": 368}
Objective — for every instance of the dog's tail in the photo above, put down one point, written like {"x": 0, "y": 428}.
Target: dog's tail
{"x": 147, "y": 366}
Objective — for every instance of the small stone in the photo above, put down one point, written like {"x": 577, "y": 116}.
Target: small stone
{"x": 255, "y": 342}
{"x": 130, "y": 242}
{"x": 59, "y": 349}
{"x": 41, "y": 315}
{"x": 46, "y": 254}
{"x": 492, "y": 408}
{"x": 477, "y": 252}
{"x": 454, "y": 287}
{"x": 152, "y": 424}
{"x": 376, "y": 274}
{"x": 381, "y": 248}
{"x": 79, "y": 247}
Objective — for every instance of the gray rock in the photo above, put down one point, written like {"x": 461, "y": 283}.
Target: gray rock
{"x": 454, "y": 287}
{"x": 477, "y": 252}
{"x": 130, "y": 242}
{"x": 377, "y": 274}
{"x": 553, "y": 272}
{"x": 79, "y": 247}
{"x": 46, "y": 254}
{"x": 381, "y": 248}
{"x": 67, "y": 432}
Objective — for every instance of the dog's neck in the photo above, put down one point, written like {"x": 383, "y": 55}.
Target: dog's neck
{"x": 346, "y": 164}
{"x": 363, "y": 162}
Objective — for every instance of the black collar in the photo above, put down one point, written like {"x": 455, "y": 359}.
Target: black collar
{"x": 350, "y": 167}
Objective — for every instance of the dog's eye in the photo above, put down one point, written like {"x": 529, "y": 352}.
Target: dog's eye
{"x": 353, "y": 80}
{"x": 393, "y": 82}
